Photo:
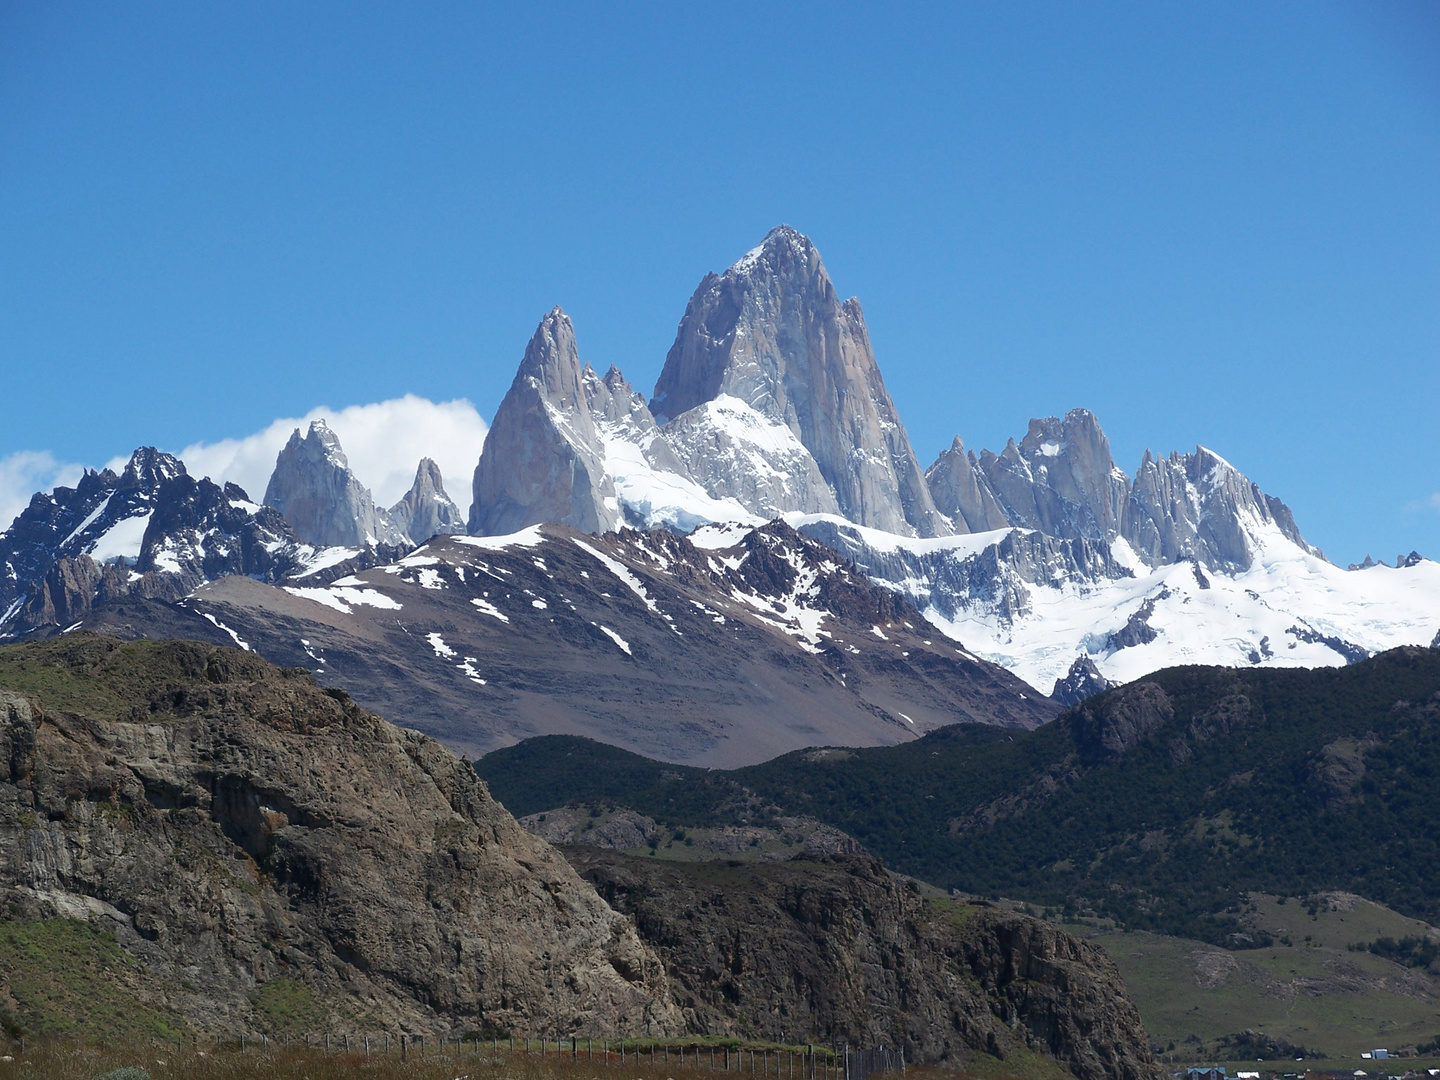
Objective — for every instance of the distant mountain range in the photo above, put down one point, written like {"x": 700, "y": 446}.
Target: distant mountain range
{"x": 1045, "y": 559}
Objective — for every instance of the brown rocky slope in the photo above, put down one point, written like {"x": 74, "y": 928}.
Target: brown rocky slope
{"x": 248, "y": 839}
{"x": 840, "y": 949}
{"x": 233, "y": 825}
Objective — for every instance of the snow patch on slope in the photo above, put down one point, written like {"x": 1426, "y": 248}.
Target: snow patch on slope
{"x": 1278, "y": 613}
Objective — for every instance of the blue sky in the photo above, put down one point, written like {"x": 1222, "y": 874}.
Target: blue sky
{"x": 1212, "y": 224}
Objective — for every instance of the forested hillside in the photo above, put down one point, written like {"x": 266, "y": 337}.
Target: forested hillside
{"x": 1161, "y": 803}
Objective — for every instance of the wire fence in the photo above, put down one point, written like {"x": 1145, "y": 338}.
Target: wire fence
{"x": 861, "y": 1063}
{"x": 767, "y": 1062}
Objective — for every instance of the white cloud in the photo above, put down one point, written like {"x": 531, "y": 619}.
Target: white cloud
{"x": 1432, "y": 503}
{"x": 383, "y": 441}
{"x": 26, "y": 472}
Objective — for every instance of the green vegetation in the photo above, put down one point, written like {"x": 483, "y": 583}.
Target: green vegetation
{"x": 1325, "y": 781}
{"x": 1020, "y": 1064}
{"x": 289, "y": 1007}
{"x": 71, "y": 978}
{"x": 1318, "y": 995}
{"x": 1414, "y": 950}
{"x": 102, "y": 677}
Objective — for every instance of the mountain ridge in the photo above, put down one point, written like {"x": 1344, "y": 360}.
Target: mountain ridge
{"x": 1040, "y": 558}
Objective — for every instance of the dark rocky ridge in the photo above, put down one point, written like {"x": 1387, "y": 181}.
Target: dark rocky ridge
{"x": 195, "y": 532}
{"x": 841, "y": 948}
{"x": 483, "y": 643}
{"x": 1083, "y": 680}
{"x": 233, "y": 825}
{"x": 69, "y": 521}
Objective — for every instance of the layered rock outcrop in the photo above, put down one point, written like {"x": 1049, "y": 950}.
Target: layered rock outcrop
{"x": 234, "y": 825}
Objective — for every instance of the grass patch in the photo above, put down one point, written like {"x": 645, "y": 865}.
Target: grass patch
{"x": 289, "y": 1007}
{"x": 71, "y": 978}
{"x": 957, "y": 913}
{"x": 1324, "y": 991}
{"x": 1020, "y": 1064}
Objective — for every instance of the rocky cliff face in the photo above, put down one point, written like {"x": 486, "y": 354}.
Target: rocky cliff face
{"x": 1198, "y": 506}
{"x": 734, "y": 452}
{"x": 234, "y": 825}
{"x": 772, "y": 333}
{"x": 841, "y": 948}
{"x": 962, "y": 491}
{"x": 1062, "y": 481}
{"x": 313, "y": 488}
{"x": 426, "y": 510}
{"x": 543, "y": 459}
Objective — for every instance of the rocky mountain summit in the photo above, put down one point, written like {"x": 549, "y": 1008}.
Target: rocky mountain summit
{"x": 770, "y": 405}
{"x": 543, "y": 460}
{"x": 1061, "y": 480}
{"x": 773, "y": 334}
{"x": 236, "y": 828}
{"x": 426, "y": 510}
{"x": 770, "y": 402}
{"x": 153, "y": 532}
{"x": 324, "y": 502}
{"x": 104, "y": 516}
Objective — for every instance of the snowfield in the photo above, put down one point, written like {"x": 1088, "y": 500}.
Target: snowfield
{"x": 1290, "y": 608}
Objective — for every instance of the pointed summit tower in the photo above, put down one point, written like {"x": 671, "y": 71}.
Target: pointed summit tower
{"x": 426, "y": 510}
{"x": 324, "y": 502}
{"x": 543, "y": 459}
{"x": 772, "y": 332}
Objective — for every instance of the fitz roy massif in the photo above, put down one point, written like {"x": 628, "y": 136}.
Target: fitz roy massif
{"x": 751, "y": 561}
